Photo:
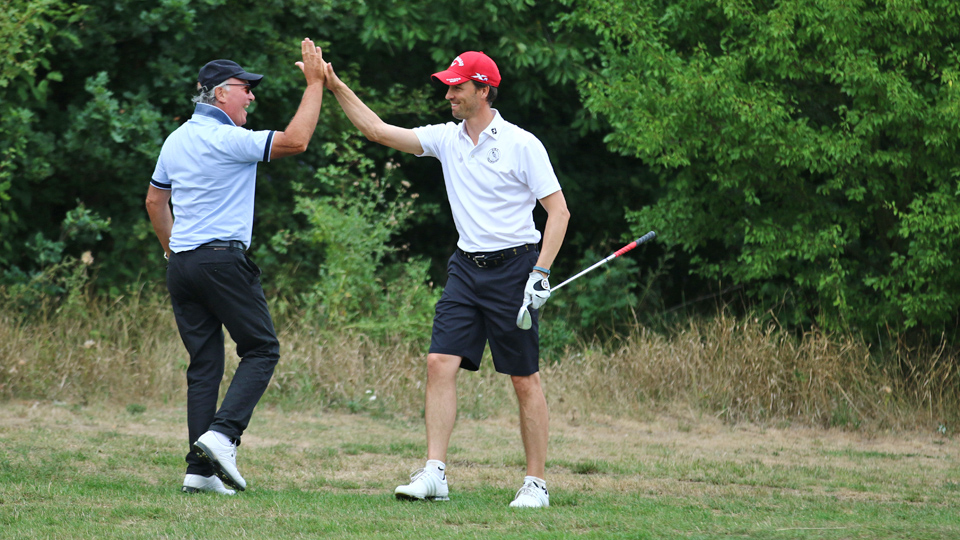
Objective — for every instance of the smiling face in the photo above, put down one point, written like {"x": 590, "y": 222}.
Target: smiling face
{"x": 234, "y": 98}
{"x": 465, "y": 100}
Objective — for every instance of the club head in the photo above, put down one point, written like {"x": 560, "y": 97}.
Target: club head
{"x": 524, "y": 319}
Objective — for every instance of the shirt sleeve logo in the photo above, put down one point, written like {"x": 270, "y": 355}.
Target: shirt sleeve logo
{"x": 493, "y": 155}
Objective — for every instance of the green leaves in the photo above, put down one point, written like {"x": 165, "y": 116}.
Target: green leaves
{"x": 798, "y": 143}
{"x": 802, "y": 150}
{"x": 364, "y": 281}
{"x": 28, "y": 30}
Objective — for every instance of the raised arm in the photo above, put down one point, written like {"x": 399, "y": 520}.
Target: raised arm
{"x": 368, "y": 122}
{"x": 296, "y": 137}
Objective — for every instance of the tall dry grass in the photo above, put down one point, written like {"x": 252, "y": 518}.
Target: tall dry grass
{"x": 741, "y": 369}
{"x": 127, "y": 351}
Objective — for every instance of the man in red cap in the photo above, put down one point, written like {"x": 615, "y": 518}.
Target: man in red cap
{"x": 494, "y": 172}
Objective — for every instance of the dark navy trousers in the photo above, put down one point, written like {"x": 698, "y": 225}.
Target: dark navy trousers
{"x": 212, "y": 288}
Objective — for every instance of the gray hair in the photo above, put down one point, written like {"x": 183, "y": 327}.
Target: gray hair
{"x": 209, "y": 97}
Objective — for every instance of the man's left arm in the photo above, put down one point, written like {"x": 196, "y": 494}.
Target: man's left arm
{"x": 555, "y": 229}
{"x": 158, "y": 207}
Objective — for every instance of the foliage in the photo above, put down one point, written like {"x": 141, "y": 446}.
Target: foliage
{"x": 603, "y": 298}
{"x": 28, "y": 30}
{"x": 90, "y": 90}
{"x": 609, "y": 301}
{"x": 806, "y": 149}
{"x": 359, "y": 286}
{"x": 57, "y": 275}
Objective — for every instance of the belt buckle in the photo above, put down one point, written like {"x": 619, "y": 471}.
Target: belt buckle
{"x": 480, "y": 261}
{"x": 490, "y": 261}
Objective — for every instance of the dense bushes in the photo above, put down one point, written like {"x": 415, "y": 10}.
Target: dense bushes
{"x": 807, "y": 150}
{"x": 803, "y": 154}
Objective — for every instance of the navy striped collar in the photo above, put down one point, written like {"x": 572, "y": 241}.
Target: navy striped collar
{"x": 213, "y": 112}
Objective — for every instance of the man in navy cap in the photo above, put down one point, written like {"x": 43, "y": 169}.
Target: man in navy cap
{"x": 207, "y": 168}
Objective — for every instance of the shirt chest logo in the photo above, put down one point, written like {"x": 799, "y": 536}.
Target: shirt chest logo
{"x": 493, "y": 155}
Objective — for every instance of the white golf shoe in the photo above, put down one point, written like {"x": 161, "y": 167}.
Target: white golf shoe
{"x": 425, "y": 484}
{"x": 223, "y": 457}
{"x": 533, "y": 494}
{"x": 194, "y": 483}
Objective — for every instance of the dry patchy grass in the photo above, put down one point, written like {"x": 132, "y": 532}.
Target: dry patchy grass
{"x": 102, "y": 472}
{"x": 667, "y": 455}
{"x": 128, "y": 352}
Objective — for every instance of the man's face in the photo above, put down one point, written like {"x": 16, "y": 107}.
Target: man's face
{"x": 234, "y": 100}
{"x": 465, "y": 100}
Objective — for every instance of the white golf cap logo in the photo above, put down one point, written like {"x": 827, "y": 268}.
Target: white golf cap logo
{"x": 457, "y": 61}
{"x": 480, "y": 77}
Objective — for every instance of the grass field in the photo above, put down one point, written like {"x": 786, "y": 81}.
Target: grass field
{"x": 101, "y": 472}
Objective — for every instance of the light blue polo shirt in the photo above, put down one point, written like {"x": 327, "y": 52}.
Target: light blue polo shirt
{"x": 210, "y": 165}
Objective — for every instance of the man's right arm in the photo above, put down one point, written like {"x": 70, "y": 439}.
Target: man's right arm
{"x": 367, "y": 121}
{"x": 296, "y": 137}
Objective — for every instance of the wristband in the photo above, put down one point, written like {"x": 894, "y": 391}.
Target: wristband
{"x": 542, "y": 269}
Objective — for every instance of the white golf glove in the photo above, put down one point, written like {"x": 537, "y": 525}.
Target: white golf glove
{"x": 537, "y": 290}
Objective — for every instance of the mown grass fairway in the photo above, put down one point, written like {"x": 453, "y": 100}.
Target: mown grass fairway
{"x": 99, "y": 472}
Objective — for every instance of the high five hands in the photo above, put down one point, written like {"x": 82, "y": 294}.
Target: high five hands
{"x": 313, "y": 66}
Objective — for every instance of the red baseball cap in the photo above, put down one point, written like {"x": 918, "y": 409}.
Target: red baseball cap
{"x": 471, "y": 65}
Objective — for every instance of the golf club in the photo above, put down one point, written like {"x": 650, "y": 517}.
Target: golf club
{"x": 525, "y": 319}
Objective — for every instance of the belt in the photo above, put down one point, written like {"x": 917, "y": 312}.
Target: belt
{"x": 496, "y": 258}
{"x": 231, "y": 244}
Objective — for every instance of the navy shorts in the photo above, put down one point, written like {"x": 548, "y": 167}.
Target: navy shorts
{"x": 480, "y": 305}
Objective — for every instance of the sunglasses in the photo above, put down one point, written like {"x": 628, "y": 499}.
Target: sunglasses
{"x": 246, "y": 87}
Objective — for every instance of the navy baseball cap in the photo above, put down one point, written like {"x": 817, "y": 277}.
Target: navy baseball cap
{"x": 217, "y": 71}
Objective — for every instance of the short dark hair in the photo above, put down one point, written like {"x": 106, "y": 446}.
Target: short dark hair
{"x": 491, "y": 95}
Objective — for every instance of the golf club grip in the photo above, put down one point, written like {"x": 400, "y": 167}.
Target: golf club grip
{"x": 645, "y": 238}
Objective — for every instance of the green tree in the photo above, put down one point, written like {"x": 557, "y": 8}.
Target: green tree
{"x": 28, "y": 30}
{"x": 114, "y": 78}
{"x": 807, "y": 150}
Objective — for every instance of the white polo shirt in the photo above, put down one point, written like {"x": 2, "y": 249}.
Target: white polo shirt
{"x": 210, "y": 164}
{"x": 494, "y": 186}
